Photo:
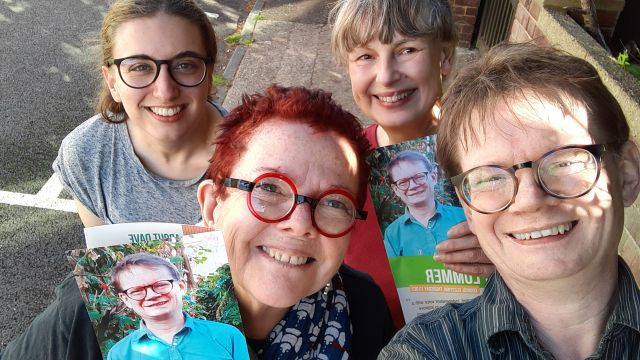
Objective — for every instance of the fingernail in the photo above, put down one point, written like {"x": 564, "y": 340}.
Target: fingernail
{"x": 437, "y": 257}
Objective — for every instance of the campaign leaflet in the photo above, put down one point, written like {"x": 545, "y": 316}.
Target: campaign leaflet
{"x": 125, "y": 233}
{"x": 205, "y": 286}
{"x": 415, "y": 206}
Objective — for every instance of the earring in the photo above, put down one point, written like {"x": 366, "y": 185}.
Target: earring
{"x": 327, "y": 288}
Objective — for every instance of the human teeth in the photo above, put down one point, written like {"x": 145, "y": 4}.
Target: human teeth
{"x": 164, "y": 111}
{"x": 560, "y": 229}
{"x": 394, "y": 98}
{"x": 285, "y": 258}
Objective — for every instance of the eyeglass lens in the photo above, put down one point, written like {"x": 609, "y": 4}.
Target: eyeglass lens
{"x": 418, "y": 179}
{"x": 273, "y": 199}
{"x": 141, "y": 72}
{"x": 565, "y": 173}
{"x": 159, "y": 287}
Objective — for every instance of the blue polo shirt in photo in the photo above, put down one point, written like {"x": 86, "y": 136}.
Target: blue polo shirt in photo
{"x": 406, "y": 236}
{"x": 198, "y": 339}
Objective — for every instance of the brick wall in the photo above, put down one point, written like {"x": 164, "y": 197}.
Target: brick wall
{"x": 464, "y": 15}
{"x": 524, "y": 26}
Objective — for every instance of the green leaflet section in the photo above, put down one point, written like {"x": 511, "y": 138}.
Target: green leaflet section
{"x": 423, "y": 270}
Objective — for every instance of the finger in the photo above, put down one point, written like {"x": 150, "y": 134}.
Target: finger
{"x": 461, "y": 243}
{"x": 468, "y": 256}
{"x": 459, "y": 230}
{"x": 475, "y": 269}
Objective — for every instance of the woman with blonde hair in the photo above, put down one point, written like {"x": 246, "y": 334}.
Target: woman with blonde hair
{"x": 397, "y": 53}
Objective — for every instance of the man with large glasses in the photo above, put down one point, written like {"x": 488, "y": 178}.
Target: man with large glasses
{"x": 425, "y": 222}
{"x": 152, "y": 288}
{"x": 544, "y": 166}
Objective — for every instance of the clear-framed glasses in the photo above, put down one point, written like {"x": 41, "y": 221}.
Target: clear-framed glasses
{"x": 418, "y": 179}
{"x": 567, "y": 172}
{"x": 272, "y": 197}
{"x": 160, "y": 287}
{"x": 141, "y": 71}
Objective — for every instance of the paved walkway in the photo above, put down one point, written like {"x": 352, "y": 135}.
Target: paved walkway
{"x": 291, "y": 47}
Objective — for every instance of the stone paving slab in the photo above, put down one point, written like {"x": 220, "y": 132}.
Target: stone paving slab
{"x": 290, "y": 54}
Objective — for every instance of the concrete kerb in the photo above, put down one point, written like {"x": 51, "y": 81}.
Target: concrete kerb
{"x": 239, "y": 51}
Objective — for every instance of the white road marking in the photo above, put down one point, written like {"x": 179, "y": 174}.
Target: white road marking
{"x": 52, "y": 188}
{"x": 46, "y": 198}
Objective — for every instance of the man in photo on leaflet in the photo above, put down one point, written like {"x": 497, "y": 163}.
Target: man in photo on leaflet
{"x": 425, "y": 222}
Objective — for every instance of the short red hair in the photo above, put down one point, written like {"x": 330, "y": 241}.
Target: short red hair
{"x": 313, "y": 107}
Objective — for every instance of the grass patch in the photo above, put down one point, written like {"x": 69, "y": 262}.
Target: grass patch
{"x": 259, "y": 17}
{"x": 219, "y": 80}
{"x": 233, "y": 39}
{"x": 248, "y": 41}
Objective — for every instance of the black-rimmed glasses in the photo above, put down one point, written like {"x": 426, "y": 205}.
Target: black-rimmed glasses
{"x": 141, "y": 71}
{"x": 418, "y": 179}
{"x": 272, "y": 197}
{"x": 160, "y": 287}
{"x": 567, "y": 172}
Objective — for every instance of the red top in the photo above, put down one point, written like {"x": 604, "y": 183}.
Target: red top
{"x": 366, "y": 250}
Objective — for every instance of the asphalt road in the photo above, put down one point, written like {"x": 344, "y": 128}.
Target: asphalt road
{"x": 47, "y": 85}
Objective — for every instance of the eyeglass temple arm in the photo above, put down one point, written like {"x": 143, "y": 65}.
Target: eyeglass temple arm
{"x": 238, "y": 184}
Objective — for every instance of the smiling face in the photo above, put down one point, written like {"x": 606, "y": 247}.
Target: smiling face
{"x": 154, "y": 307}
{"x": 278, "y": 264}
{"x": 594, "y": 220}
{"x": 416, "y": 195}
{"x": 397, "y": 84}
{"x": 164, "y": 110}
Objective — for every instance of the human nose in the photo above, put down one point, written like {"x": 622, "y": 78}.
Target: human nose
{"x": 300, "y": 222}
{"x": 164, "y": 86}
{"x": 415, "y": 183}
{"x": 387, "y": 71}
{"x": 529, "y": 196}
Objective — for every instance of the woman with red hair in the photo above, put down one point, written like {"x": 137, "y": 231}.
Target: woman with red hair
{"x": 286, "y": 249}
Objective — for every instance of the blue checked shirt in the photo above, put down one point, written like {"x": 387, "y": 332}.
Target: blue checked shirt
{"x": 495, "y": 326}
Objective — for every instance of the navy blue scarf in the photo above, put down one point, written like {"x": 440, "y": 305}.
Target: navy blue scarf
{"x": 316, "y": 327}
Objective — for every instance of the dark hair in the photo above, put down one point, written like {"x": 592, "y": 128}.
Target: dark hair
{"x": 520, "y": 71}
{"x": 408, "y": 155}
{"x": 144, "y": 260}
{"x": 122, "y": 11}
{"x": 312, "y": 107}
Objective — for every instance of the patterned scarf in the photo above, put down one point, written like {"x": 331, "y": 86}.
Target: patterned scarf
{"x": 317, "y": 327}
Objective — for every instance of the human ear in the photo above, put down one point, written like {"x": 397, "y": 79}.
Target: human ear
{"x": 208, "y": 201}
{"x": 396, "y": 191}
{"x": 110, "y": 80}
{"x": 629, "y": 169}
{"x": 182, "y": 287}
{"x": 125, "y": 299}
{"x": 446, "y": 58}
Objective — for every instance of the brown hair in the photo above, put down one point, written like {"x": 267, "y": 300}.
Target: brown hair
{"x": 408, "y": 156}
{"x": 143, "y": 260}
{"x": 122, "y": 11}
{"x": 356, "y": 22}
{"x": 517, "y": 71}
{"x": 312, "y": 107}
